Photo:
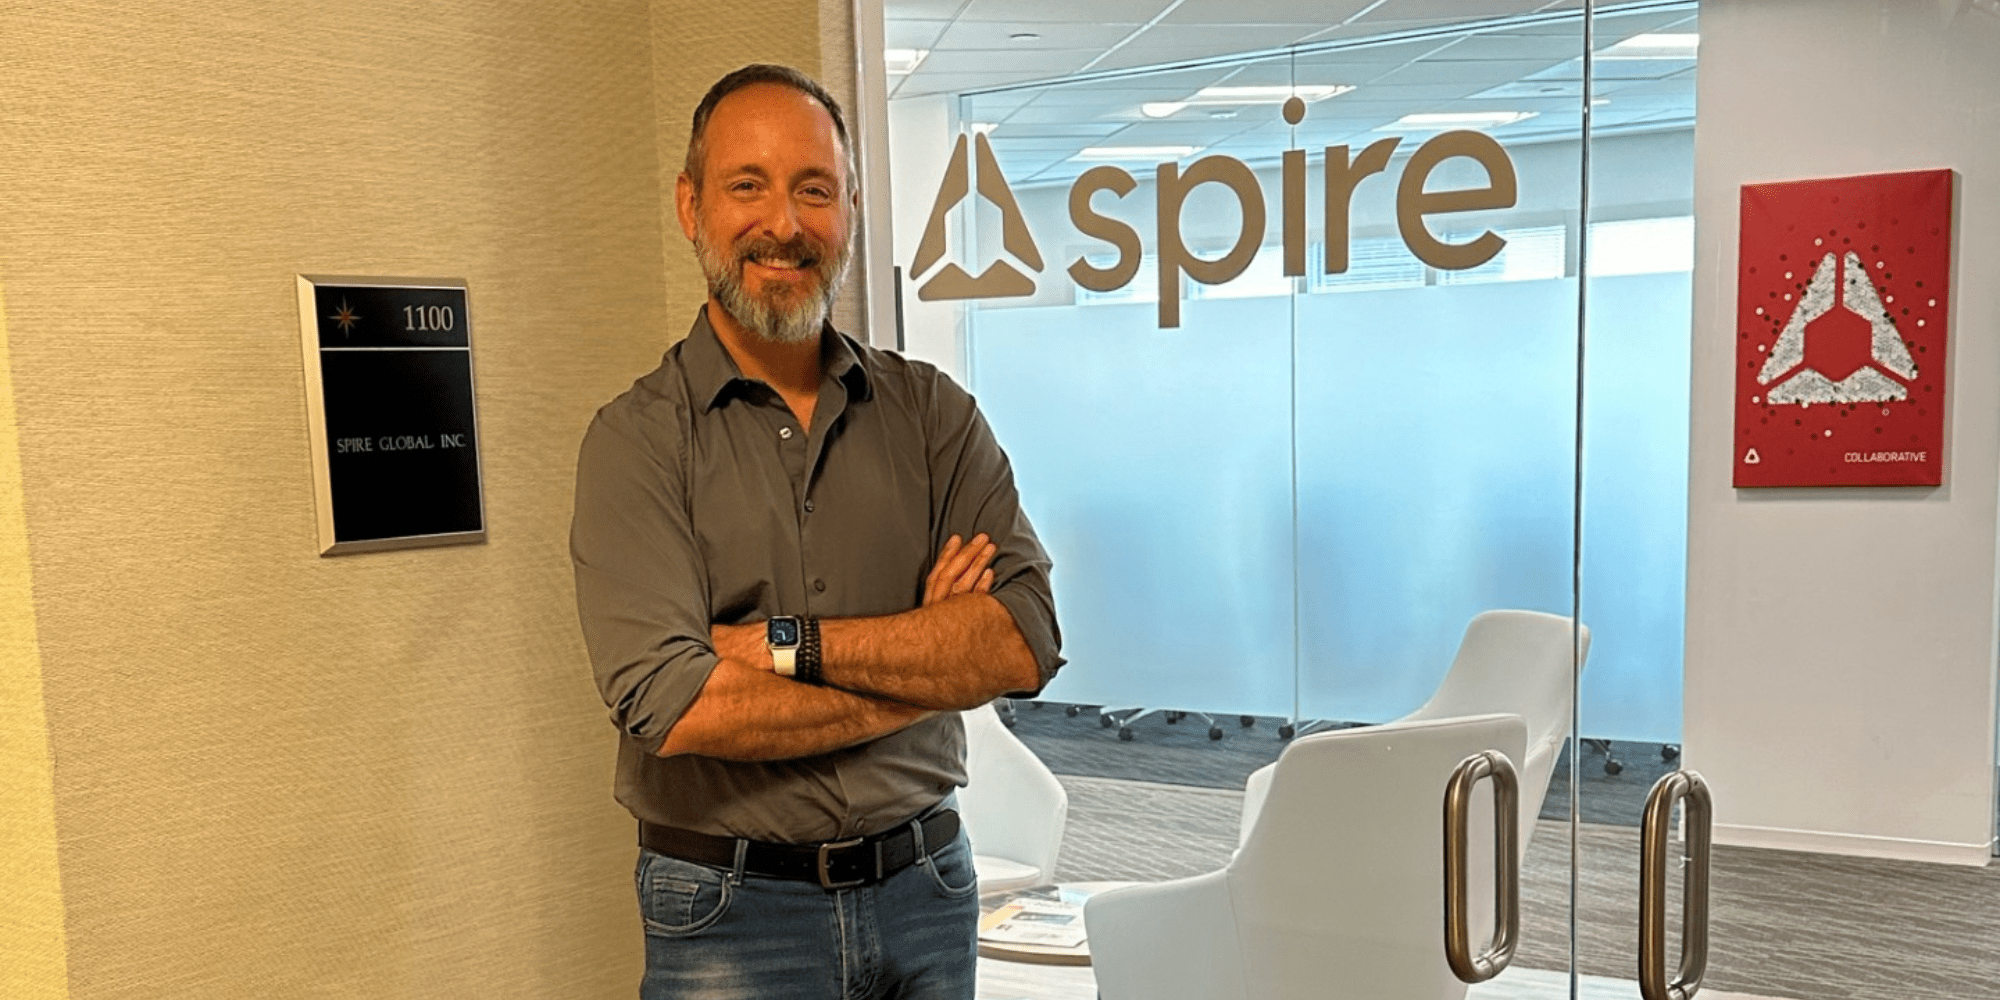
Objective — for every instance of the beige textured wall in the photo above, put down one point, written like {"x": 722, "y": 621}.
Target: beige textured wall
{"x": 33, "y": 956}
{"x": 278, "y": 775}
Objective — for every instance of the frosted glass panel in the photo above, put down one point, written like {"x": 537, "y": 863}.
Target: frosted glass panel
{"x": 1436, "y": 436}
{"x": 1635, "y": 504}
{"x": 1157, "y": 466}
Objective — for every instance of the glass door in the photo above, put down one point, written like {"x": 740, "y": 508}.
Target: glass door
{"x": 1287, "y": 350}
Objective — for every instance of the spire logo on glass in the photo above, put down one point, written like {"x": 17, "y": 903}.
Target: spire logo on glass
{"x": 1341, "y": 174}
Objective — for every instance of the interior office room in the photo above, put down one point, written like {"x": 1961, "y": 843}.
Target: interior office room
{"x": 1314, "y": 332}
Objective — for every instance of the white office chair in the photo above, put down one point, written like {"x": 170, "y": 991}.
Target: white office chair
{"x": 1518, "y": 662}
{"x": 1012, "y": 806}
{"x": 1338, "y": 891}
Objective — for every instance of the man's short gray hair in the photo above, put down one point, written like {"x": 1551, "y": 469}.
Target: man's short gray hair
{"x": 755, "y": 73}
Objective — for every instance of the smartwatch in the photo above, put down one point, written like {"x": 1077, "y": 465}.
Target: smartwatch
{"x": 781, "y": 635}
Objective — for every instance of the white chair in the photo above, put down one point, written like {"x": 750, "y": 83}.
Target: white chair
{"x": 1012, "y": 806}
{"x": 1518, "y": 662}
{"x": 1338, "y": 891}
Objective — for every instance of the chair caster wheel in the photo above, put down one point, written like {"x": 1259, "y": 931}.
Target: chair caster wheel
{"x": 1215, "y": 732}
{"x": 1613, "y": 767}
{"x": 1669, "y": 751}
{"x": 1285, "y": 731}
{"x": 1073, "y": 711}
{"x": 1105, "y": 721}
{"x": 1009, "y": 722}
{"x": 1247, "y": 720}
{"x": 1125, "y": 733}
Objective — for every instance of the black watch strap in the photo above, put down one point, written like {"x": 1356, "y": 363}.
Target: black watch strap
{"x": 809, "y": 661}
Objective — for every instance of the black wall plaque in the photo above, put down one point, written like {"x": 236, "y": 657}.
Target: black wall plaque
{"x": 394, "y": 435}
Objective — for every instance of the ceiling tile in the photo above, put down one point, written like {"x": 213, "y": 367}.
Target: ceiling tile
{"x": 1038, "y": 64}
{"x": 912, "y": 34}
{"x": 1507, "y": 64}
{"x": 1470, "y": 76}
{"x": 1038, "y": 115}
{"x": 1172, "y": 133}
{"x": 939, "y": 10}
{"x": 1315, "y": 14}
{"x": 1059, "y": 35}
{"x": 1013, "y": 131}
{"x": 1456, "y": 10}
{"x": 1003, "y": 144}
{"x": 1514, "y": 47}
{"x": 1165, "y": 44}
{"x": 1064, "y": 11}
{"x": 942, "y": 82}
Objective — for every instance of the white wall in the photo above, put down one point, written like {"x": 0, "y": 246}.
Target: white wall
{"x": 1840, "y": 642}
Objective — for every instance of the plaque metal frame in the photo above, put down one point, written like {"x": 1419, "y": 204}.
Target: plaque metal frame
{"x": 321, "y": 438}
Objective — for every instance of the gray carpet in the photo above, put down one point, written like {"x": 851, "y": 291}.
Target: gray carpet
{"x": 1183, "y": 754}
{"x": 1783, "y": 924}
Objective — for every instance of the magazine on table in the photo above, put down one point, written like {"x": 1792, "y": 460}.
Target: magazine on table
{"x": 1044, "y": 915}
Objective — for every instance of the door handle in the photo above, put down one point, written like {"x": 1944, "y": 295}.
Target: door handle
{"x": 1687, "y": 788}
{"x": 1506, "y": 866}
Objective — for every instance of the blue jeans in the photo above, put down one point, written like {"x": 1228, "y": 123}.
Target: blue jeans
{"x": 714, "y": 935}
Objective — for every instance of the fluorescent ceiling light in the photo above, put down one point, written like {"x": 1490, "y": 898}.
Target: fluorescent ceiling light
{"x": 1654, "y": 46}
{"x": 903, "y": 62}
{"x": 1137, "y": 152}
{"x": 1268, "y": 95}
{"x": 1212, "y": 96}
{"x": 1440, "y": 122}
{"x": 983, "y": 128}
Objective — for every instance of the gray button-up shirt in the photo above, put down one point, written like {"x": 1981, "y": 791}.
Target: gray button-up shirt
{"x": 700, "y": 500}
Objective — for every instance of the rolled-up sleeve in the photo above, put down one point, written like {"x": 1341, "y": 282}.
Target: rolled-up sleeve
{"x": 640, "y": 592}
{"x": 973, "y": 491}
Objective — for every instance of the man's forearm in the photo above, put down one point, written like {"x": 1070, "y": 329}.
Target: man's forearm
{"x": 953, "y": 654}
{"x": 747, "y": 714}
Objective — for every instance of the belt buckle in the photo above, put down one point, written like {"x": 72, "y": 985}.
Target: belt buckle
{"x": 825, "y": 879}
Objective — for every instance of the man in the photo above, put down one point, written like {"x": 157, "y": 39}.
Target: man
{"x": 797, "y": 558}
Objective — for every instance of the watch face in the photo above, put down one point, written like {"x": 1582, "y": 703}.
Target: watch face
{"x": 782, "y": 632}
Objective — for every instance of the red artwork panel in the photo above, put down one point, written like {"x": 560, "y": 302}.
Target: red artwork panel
{"x": 1841, "y": 302}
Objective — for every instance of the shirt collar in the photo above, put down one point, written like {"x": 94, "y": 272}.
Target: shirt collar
{"x": 713, "y": 375}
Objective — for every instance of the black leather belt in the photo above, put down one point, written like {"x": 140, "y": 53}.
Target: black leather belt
{"x": 834, "y": 864}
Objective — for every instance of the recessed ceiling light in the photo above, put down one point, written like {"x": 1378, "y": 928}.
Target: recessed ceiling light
{"x": 1136, "y": 152}
{"x": 1654, "y": 46}
{"x": 983, "y": 128}
{"x": 1162, "y": 109}
{"x": 903, "y": 62}
{"x": 1442, "y": 121}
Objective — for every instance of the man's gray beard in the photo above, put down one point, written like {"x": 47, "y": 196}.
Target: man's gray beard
{"x": 778, "y": 324}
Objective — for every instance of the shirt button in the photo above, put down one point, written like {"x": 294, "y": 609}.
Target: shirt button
{"x": 785, "y": 432}
{"x": 809, "y": 506}
{"x": 819, "y": 585}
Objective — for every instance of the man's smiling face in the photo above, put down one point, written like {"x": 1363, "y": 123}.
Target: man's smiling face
{"x": 770, "y": 215}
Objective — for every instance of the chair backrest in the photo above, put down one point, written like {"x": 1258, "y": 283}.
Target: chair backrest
{"x": 1012, "y": 805}
{"x": 1518, "y": 662}
{"x": 1339, "y": 889}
